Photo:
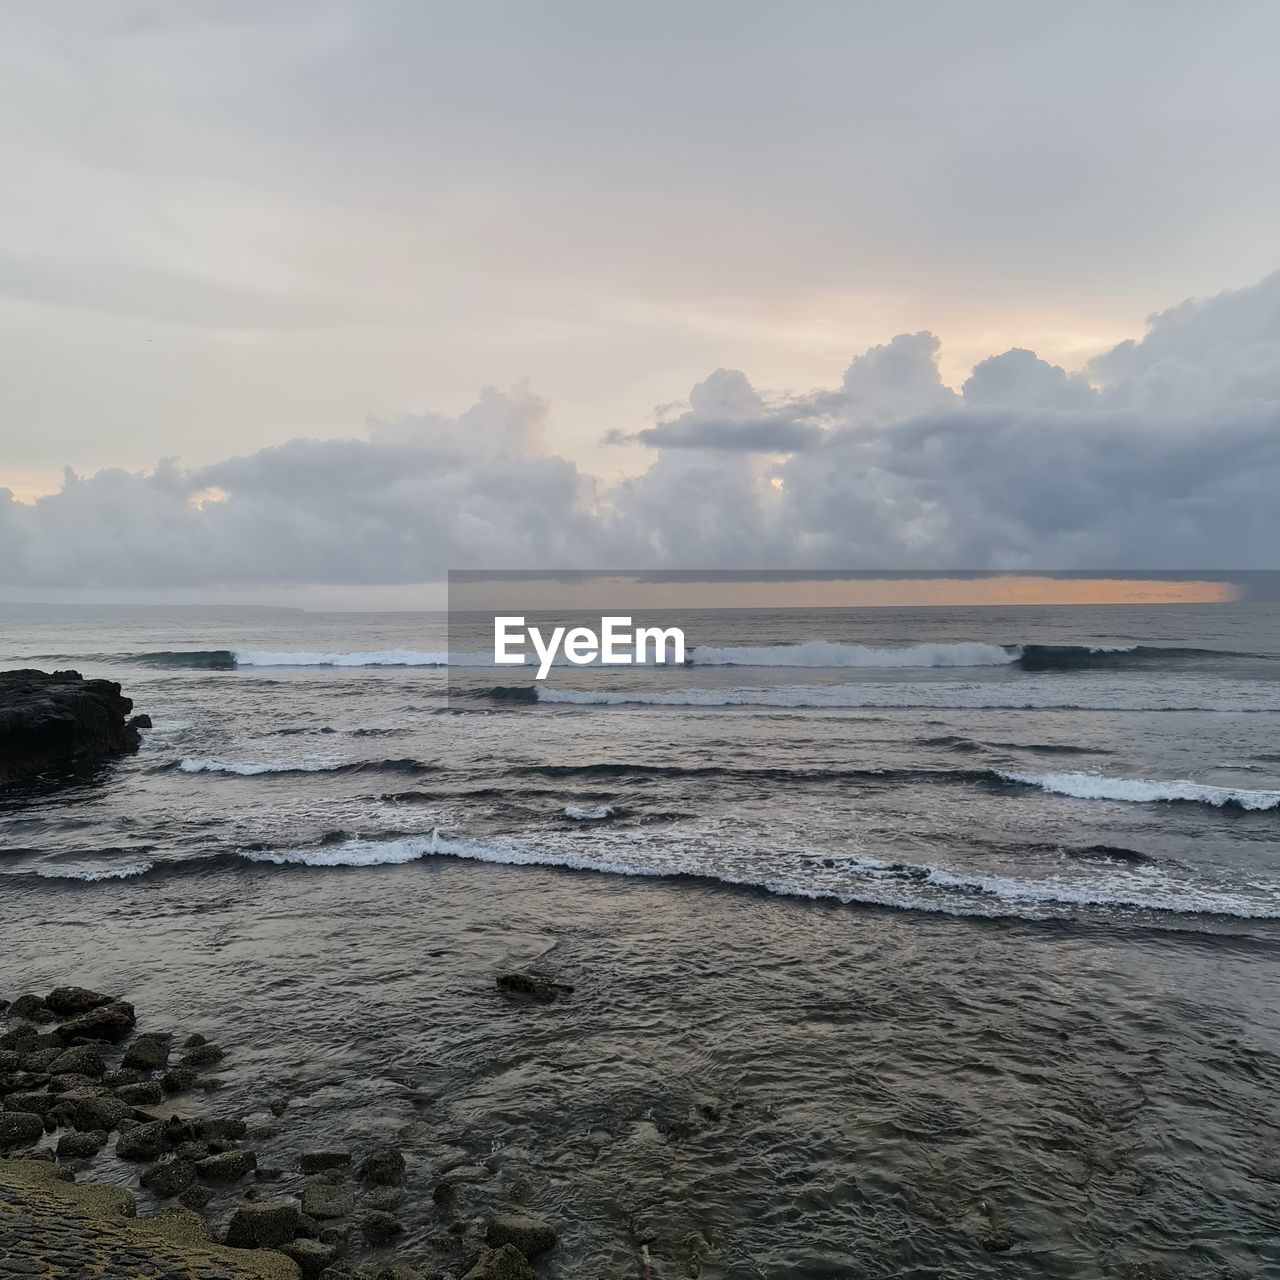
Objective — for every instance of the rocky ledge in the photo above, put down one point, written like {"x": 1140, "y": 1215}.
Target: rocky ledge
{"x": 53, "y": 720}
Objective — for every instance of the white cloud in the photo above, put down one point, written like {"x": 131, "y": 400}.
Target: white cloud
{"x": 1166, "y": 456}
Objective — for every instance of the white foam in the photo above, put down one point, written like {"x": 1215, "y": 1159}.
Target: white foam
{"x": 349, "y": 853}
{"x": 248, "y": 769}
{"x": 588, "y": 813}
{"x": 368, "y": 658}
{"x": 824, "y": 653}
{"x": 1094, "y": 786}
{"x": 89, "y": 872}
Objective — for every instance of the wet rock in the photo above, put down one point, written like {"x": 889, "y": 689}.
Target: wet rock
{"x": 532, "y": 1236}
{"x": 339, "y": 1271}
{"x": 194, "y": 1041}
{"x": 81, "y": 1060}
{"x": 533, "y": 986}
{"x": 30, "y": 1008}
{"x": 268, "y": 1175}
{"x": 327, "y": 1200}
{"x": 52, "y": 719}
{"x": 203, "y": 1055}
{"x": 39, "y": 1060}
{"x": 507, "y": 1263}
{"x": 39, "y": 1104}
{"x": 193, "y": 1151}
{"x": 383, "y": 1168}
{"x": 66, "y": 1002}
{"x": 73, "y": 1084}
{"x": 196, "y": 1197}
{"x": 221, "y": 1128}
{"x": 142, "y": 721}
{"x": 384, "y": 1198}
{"x": 278, "y": 1106}
{"x": 230, "y": 1166}
{"x": 90, "y": 1110}
{"x": 169, "y": 1178}
{"x": 19, "y": 1129}
{"x": 400, "y": 1271}
{"x": 111, "y": 1021}
{"x": 312, "y": 1256}
{"x": 81, "y": 1146}
{"x": 148, "y": 1052}
{"x": 178, "y": 1079}
{"x": 123, "y": 1076}
{"x": 9, "y": 1060}
{"x": 380, "y": 1226}
{"x": 262, "y": 1130}
{"x": 178, "y": 1130}
{"x": 143, "y": 1142}
{"x": 326, "y": 1158}
{"x": 264, "y": 1226}
{"x": 146, "y": 1094}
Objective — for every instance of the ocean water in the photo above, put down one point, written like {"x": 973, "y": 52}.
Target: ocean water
{"x": 904, "y": 941}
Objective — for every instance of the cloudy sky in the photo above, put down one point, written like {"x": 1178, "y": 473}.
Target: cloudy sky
{"x": 313, "y": 293}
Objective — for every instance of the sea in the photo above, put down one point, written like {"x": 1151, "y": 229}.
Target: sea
{"x": 903, "y": 941}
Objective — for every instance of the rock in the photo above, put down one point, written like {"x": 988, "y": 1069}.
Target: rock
{"x": 81, "y": 1146}
{"x": 9, "y": 1059}
{"x": 37, "y": 1062}
{"x": 399, "y": 1271}
{"x": 59, "y": 719}
{"x": 262, "y": 1130}
{"x": 142, "y": 721}
{"x": 39, "y": 1104}
{"x": 90, "y": 1110}
{"x": 19, "y": 1129}
{"x": 339, "y": 1271}
{"x": 146, "y": 1094}
{"x": 72, "y": 1084}
{"x": 507, "y": 1263}
{"x": 66, "y": 1002}
{"x": 268, "y": 1174}
{"x": 327, "y": 1200}
{"x": 202, "y": 1055}
{"x": 111, "y": 1021}
{"x": 532, "y": 1236}
{"x": 196, "y": 1197}
{"x": 178, "y": 1079}
{"x": 148, "y": 1052}
{"x": 222, "y": 1128}
{"x": 230, "y": 1166}
{"x": 123, "y": 1076}
{"x": 324, "y": 1158}
{"x": 312, "y": 1256}
{"x": 384, "y": 1198}
{"x": 264, "y": 1226}
{"x": 82, "y": 1060}
{"x": 30, "y": 1008}
{"x": 532, "y": 985}
{"x": 143, "y": 1142}
{"x": 383, "y": 1168}
{"x": 380, "y": 1226}
{"x": 278, "y": 1106}
{"x": 193, "y": 1041}
{"x": 169, "y": 1178}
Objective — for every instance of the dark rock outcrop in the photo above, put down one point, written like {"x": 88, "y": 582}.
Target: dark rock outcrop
{"x": 533, "y": 986}
{"x": 383, "y": 1168}
{"x": 111, "y": 1021}
{"x": 507, "y": 1263}
{"x": 263, "y": 1226}
{"x": 59, "y": 719}
{"x": 530, "y": 1235}
{"x": 68, "y": 1001}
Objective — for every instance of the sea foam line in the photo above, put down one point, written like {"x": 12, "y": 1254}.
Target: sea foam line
{"x": 1096, "y": 786}
{"x": 826, "y": 653}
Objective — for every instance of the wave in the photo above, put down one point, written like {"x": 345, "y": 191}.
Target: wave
{"x": 1093, "y": 786}
{"x": 231, "y": 659}
{"x": 1028, "y": 695}
{"x": 249, "y": 769}
{"x": 588, "y": 813}
{"x": 825, "y": 653}
{"x": 351, "y": 852}
{"x": 91, "y": 873}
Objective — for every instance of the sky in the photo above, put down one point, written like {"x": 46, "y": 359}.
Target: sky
{"x": 313, "y": 295}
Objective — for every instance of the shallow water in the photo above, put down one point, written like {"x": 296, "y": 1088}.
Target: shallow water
{"x": 980, "y": 1027}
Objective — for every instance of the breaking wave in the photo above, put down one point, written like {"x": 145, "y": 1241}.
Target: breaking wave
{"x": 1093, "y": 786}
{"x": 588, "y": 813}
{"x": 91, "y": 873}
{"x": 249, "y": 769}
{"x": 824, "y": 653}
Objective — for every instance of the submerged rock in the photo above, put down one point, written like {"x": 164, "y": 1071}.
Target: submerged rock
{"x": 178, "y": 1079}
{"x": 379, "y": 1226}
{"x": 52, "y": 719}
{"x": 148, "y": 1052}
{"x": 533, "y": 986}
{"x": 202, "y": 1055}
{"x": 230, "y": 1166}
{"x": 327, "y": 1200}
{"x": 532, "y": 1236}
{"x": 383, "y": 1168}
{"x": 312, "y": 1256}
{"x": 264, "y": 1226}
{"x": 327, "y": 1158}
{"x": 507, "y": 1263}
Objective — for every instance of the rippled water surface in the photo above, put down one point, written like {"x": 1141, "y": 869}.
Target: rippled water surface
{"x": 966, "y": 968}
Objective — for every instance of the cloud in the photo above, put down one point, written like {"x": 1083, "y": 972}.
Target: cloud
{"x": 1164, "y": 453}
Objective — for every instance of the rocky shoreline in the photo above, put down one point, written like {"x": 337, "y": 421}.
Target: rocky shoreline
{"x": 59, "y": 720}
{"x": 77, "y": 1078}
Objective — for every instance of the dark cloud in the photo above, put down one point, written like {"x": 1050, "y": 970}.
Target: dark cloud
{"x": 1166, "y": 456}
